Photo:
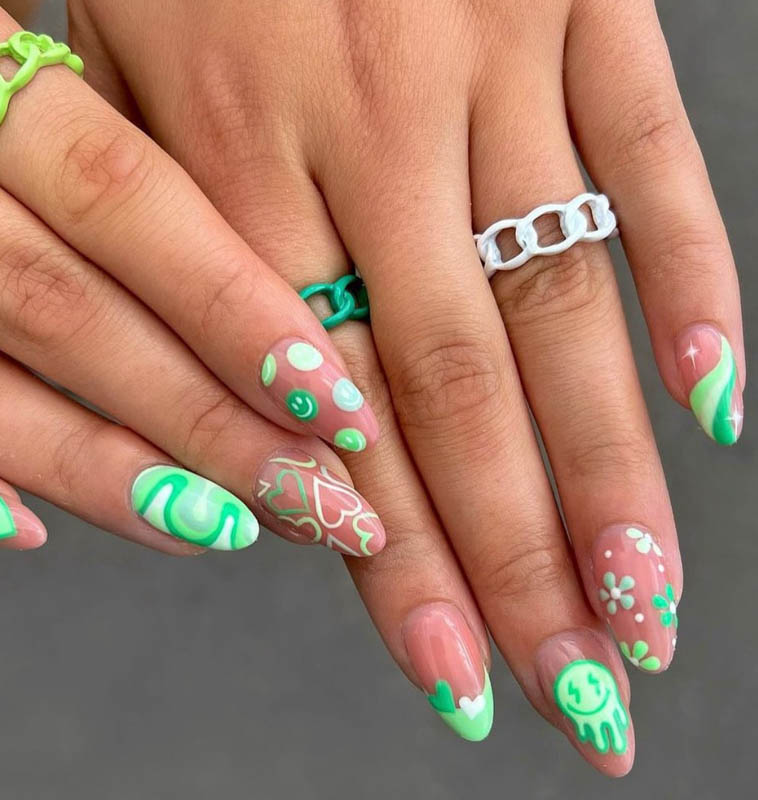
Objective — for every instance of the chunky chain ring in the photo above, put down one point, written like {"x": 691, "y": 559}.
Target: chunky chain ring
{"x": 32, "y": 52}
{"x": 347, "y": 297}
{"x": 574, "y": 225}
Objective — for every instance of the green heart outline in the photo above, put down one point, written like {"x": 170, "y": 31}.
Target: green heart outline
{"x": 278, "y": 490}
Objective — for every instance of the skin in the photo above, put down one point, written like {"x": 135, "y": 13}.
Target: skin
{"x": 347, "y": 132}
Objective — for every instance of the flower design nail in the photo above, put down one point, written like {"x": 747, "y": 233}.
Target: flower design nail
{"x": 667, "y": 606}
{"x": 638, "y": 655}
{"x": 617, "y": 594}
{"x": 644, "y": 542}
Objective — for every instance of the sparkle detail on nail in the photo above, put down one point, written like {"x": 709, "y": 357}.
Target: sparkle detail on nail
{"x": 639, "y": 617}
{"x": 607, "y": 553}
{"x": 660, "y": 568}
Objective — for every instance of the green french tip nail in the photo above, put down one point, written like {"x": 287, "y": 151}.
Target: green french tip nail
{"x": 194, "y": 509}
{"x": 7, "y": 523}
{"x": 472, "y": 718}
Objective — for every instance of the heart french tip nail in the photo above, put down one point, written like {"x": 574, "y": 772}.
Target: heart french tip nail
{"x": 635, "y": 595}
{"x": 708, "y": 372}
{"x": 311, "y": 501}
{"x": 190, "y": 507}
{"x": 449, "y": 665}
{"x": 318, "y": 394}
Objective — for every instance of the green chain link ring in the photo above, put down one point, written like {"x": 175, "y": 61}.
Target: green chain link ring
{"x": 347, "y": 297}
{"x": 32, "y": 52}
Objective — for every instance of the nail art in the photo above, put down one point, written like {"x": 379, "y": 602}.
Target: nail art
{"x": 317, "y": 393}
{"x": 636, "y": 596}
{"x": 192, "y": 508}
{"x": 7, "y": 523}
{"x": 709, "y": 373}
{"x": 586, "y": 692}
{"x": 298, "y": 490}
{"x": 449, "y": 665}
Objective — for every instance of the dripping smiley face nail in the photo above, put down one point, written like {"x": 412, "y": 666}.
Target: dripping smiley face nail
{"x": 708, "y": 372}
{"x": 318, "y": 394}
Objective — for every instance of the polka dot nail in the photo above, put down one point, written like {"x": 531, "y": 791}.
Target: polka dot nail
{"x": 318, "y": 394}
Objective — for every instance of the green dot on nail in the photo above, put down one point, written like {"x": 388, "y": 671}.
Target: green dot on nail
{"x": 268, "y": 371}
{"x": 302, "y": 404}
{"x": 350, "y": 439}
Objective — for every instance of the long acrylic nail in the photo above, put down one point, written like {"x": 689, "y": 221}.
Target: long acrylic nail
{"x": 192, "y": 508}
{"x": 7, "y": 523}
{"x": 319, "y": 394}
{"x": 449, "y": 664}
{"x": 302, "y": 493}
{"x": 636, "y": 596}
{"x": 574, "y": 673}
{"x": 709, "y": 374}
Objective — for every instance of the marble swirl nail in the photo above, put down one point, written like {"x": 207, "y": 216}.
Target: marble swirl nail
{"x": 709, "y": 374}
{"x": 192, "y": 508}
{"x": 7, "y": 523}
{"x": 318, "y": 394}
{"x": 303, "y": 494}
{"x": 449, "y": 664}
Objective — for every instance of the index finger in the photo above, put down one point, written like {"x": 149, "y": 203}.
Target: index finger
{"x": 120, "y": 200}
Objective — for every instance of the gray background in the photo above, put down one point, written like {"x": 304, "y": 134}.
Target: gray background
{"x": 130, "y": 675}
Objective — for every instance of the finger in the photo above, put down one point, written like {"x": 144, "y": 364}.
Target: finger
{"x": 20, "y": 527}
{"x": 71, "y": 322}
{"x": 566, "y": 326}
{"x": 415, "y": 592}
{"x": 635, "y": 138}
{"x": 460, "y": 405}
{"x": 99, "y": 182}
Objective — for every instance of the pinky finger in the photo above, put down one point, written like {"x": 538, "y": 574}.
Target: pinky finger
{"x": 20, "y": 527}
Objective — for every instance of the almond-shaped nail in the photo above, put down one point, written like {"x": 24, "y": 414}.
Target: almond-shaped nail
{"x": 305, "y": 495}
{"x": 636, "y": 596}
{"x": 449, "y": 664}
{"x": 7, "y": 523}
{"x": 709, "y": 375}
{"x": 318, "y": 394}
{"x": 190, "y": 507}
{"x": 576, "y": 678}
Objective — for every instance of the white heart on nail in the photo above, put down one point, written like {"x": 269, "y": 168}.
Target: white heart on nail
{"x": 472, "y": 708}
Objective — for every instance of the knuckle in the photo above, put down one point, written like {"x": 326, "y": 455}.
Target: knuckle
{"x": 71, "y": 457}
{"x": 537, "y": 564}
{"x": 47, "y": 296}
{"x": 103, "y": 163}
{"x": 552, "y": 285}
{"x": 205, "y": 418}
{"x": 230, "y": 289}
{"x": 450, "y": 380}
{"x": 616, "y": 456}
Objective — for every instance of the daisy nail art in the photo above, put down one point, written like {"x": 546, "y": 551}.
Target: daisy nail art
{"x": 318, "y": 394}
{"x": 635, "y": 595}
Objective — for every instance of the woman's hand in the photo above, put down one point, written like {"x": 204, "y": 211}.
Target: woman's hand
{"x": 84, "y": 195}
{"x": 329, "y": 131}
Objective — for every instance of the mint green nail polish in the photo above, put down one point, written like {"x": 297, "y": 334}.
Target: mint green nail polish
{"x": 7, "y": 523}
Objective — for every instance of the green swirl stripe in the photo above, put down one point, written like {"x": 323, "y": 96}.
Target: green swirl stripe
{"x": 7, "y": 523}
{"x": 711, "y": 398}
{"x": 193, "y": 508}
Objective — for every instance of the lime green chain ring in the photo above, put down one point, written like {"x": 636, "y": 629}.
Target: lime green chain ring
{"x": 32, "y": 52}
{"x": 347, "y": 297}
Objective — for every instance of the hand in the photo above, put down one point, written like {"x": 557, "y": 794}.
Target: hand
{"x": 372, "y": 131}
{"x": 84, "y": 196}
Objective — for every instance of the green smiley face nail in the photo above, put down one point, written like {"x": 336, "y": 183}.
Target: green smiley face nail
{"x": 302, "y": 404}
{"x": 586, "y": 692}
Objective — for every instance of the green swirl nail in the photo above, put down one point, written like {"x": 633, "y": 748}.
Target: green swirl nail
{"x": 192, "y": 508}
{"x": 7, "y": 523}
{"x": 711, "y": 397}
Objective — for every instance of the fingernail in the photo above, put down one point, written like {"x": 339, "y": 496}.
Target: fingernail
{"x": 302, "y": 493}
{"x": 7, "y": 523}
{"x": 192, "y": 508}
{"x": 575, "y": 676}
{"x": 636, "y": 597}
{"x": 318, "y": 394}
{"x": 448, "y": 662}
{"x": 709, "y": 374}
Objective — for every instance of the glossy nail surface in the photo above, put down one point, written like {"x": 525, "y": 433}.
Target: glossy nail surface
{"x": 302, "y": 493}
{"x": 7, "y": 523}
{"x": 636, "y": 597}
{"x": 709, "y": 374}
{"x": 318, "y": 394}
{"x": 192, "y": 508}
{"x": 448, "y": 661}
{"x": 576, "y": 679}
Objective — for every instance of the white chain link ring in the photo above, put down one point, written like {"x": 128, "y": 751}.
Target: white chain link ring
{"x": 573, "y": 222}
